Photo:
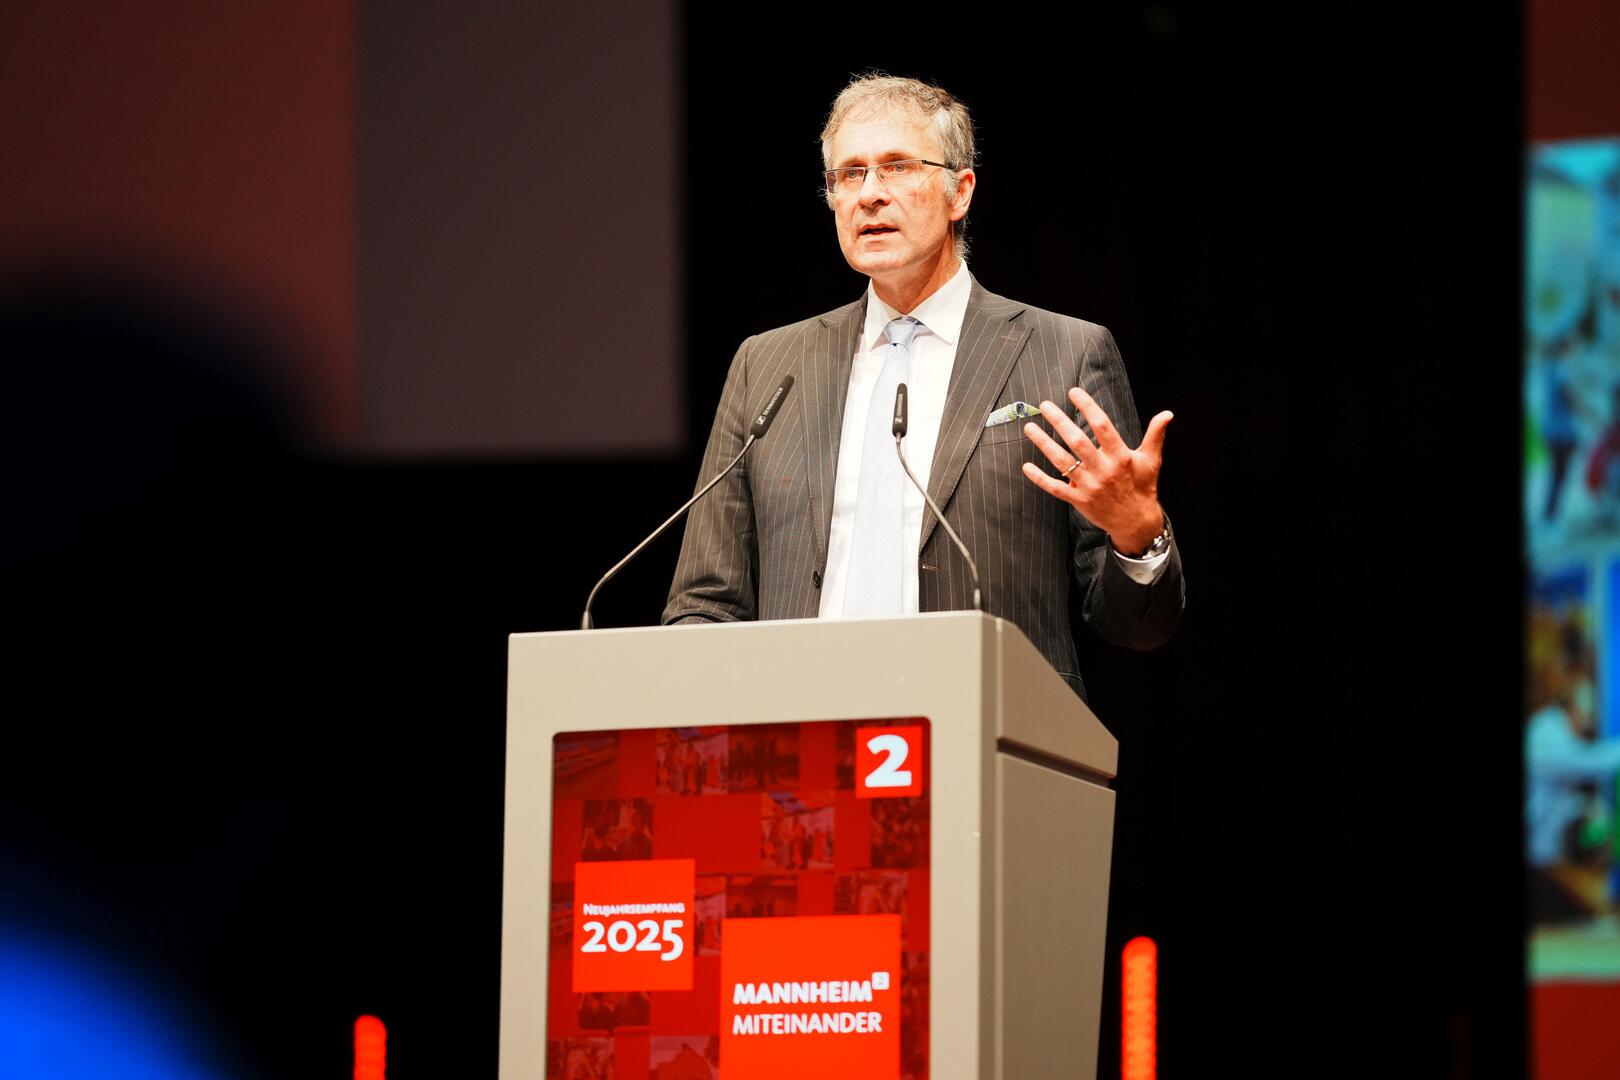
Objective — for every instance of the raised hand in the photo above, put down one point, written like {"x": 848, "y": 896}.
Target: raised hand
{"x": 1115, "y": 487}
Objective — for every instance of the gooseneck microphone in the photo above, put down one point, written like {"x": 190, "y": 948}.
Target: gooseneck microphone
{"x": 756, "y": 432}
{"x": 899, "y": 428}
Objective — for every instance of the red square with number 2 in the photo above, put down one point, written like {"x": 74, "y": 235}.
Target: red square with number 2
{"x": 888, "y": 762}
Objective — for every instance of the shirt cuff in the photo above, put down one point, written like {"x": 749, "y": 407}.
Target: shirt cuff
{"x": 1142, "y": 571}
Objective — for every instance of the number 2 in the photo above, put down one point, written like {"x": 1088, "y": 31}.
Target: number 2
{"x": 889, "y": 773}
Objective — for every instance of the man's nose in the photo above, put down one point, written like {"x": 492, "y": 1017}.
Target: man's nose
{"x": 872, "y": 192}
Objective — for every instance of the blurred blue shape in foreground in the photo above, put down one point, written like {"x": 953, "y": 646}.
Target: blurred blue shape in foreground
{"x": 66, "y": 1014}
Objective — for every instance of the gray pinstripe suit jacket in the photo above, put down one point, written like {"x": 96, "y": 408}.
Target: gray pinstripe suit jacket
{"x": 756, "y": 547}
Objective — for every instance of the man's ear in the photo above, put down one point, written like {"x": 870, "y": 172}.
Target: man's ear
{"x": 965, "y": 180}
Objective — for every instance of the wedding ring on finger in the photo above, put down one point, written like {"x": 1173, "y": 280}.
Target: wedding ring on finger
{"x": 1070, "y": 469}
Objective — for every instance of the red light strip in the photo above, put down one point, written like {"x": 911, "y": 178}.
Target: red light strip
{"x": 1139, "y": 1008}
{"x": 370, "y": 1049}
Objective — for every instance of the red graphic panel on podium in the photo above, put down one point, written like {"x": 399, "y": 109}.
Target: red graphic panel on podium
{"x": 694, "y": 869}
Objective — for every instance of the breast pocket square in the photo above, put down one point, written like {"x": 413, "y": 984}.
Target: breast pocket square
{"x": 1018, "y": 410}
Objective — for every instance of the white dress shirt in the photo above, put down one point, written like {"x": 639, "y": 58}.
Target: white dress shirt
{"x": 933, "y": 355}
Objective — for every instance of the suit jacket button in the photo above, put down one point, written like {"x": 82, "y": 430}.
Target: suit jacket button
{"x": 815, "y": 576}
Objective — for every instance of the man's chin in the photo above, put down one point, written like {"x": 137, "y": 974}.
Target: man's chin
{"x": 876, "y": 263}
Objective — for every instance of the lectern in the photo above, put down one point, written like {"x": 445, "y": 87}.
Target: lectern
{"x": 868, "y": 848}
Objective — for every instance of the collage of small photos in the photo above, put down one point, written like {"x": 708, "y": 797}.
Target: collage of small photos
{"x": 770, "y": 815}
{"x": 1572, "y": 527}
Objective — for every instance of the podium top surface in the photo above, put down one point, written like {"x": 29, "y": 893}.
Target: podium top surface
{"x": 962, "y": 664}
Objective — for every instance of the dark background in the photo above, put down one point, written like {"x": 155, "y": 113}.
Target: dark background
{"x": 256, "y": 709}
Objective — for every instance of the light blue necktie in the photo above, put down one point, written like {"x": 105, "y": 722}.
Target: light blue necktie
{"x": 877, "y": 554}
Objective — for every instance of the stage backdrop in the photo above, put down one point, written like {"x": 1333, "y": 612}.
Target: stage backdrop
{"x": 453, "y": 232}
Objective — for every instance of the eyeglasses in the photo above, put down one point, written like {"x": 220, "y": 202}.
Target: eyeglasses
{"x": 893, "y": 175}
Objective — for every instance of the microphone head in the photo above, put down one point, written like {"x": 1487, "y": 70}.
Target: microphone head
{"x": 762, "y": 422}
{"x": 899, "y": 425}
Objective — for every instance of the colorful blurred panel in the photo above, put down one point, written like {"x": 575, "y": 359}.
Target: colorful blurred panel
{"x": 1572, "y": 532}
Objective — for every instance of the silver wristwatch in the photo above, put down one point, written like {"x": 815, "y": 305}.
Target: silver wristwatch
{"x": 1160, "y": 545}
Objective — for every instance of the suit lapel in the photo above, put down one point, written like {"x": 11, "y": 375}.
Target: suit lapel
{"x": 991, "y": 339}
{"x": 829, "y": 354}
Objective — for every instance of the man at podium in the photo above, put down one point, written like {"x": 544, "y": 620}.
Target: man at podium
{"x": 1021, "y": 426}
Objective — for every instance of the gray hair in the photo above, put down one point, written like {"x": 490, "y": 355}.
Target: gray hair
{"x": 877, "y": 94}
